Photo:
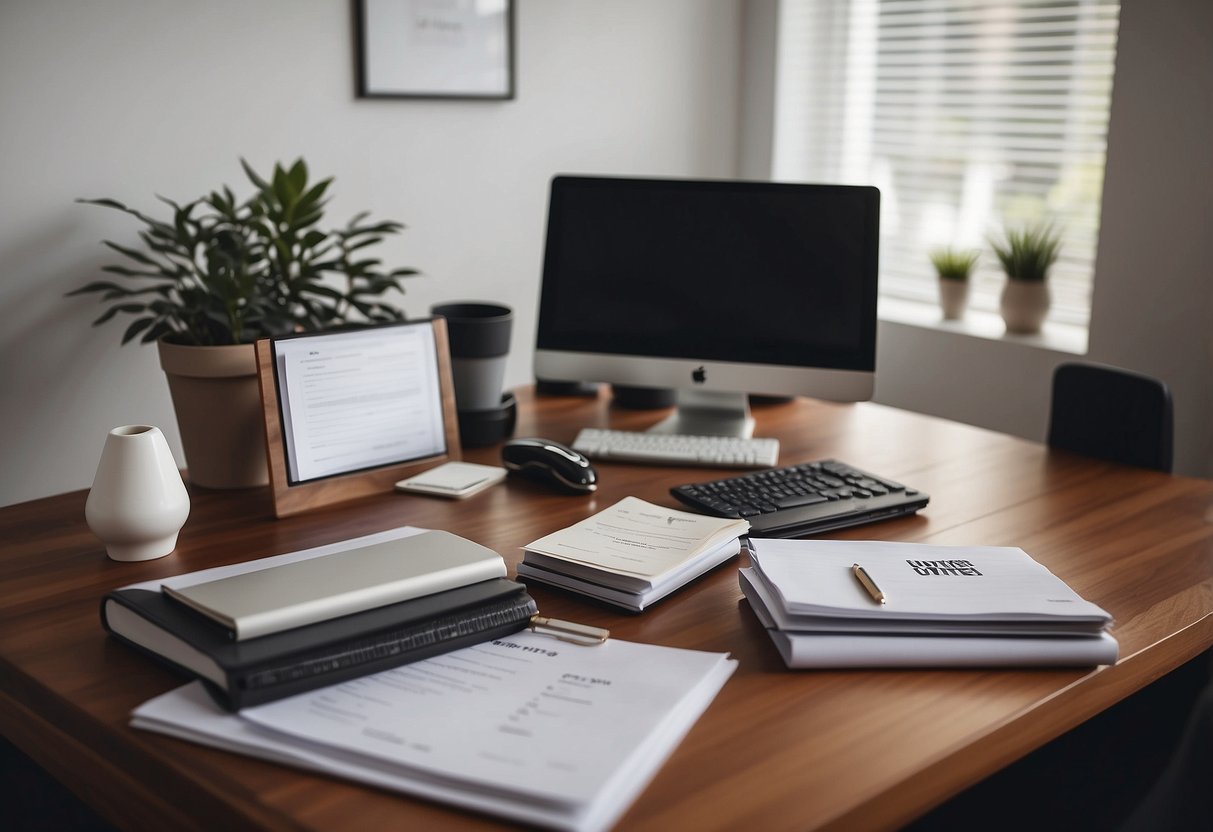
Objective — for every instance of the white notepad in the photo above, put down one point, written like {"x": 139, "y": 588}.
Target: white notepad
{"x": 632, "y": 553}
{"x": 453, "y": 479}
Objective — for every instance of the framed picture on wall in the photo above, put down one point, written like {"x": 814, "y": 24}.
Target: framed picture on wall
{"x": 435, "y": 48}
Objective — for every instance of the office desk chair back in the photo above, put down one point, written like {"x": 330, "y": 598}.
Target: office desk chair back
{"x": 1112, "y": 414}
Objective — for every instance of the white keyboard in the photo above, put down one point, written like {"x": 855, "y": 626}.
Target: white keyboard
{"x": 675, "y": 449}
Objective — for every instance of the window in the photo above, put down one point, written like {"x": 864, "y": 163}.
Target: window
{"x": 969, "y": 115}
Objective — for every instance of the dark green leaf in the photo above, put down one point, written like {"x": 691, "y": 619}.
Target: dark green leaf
{"x": 313, "y": 239}
{"x": 254, "y": 177}
{"x": 127, "y": 272}
{"x": 136, "y": 327}
{"x": 133, "y": 254}
{"x": 326, "y": 291}
{"x": 369, "y": 241}
{"x": 298, "y": 176}
{"x": 106, "y": 203}
{"x": 161, "y": 328}
{"x": 114, "y": 310}
{"x": 282, "y": 189}
{"x": 127, "y": 293}
{"x": 387, "y": 227}
{"x": 303, "y": 220}
{"x": 177, "y": 208}
{"x": 96, "y": 286}
{"x": 315, "y": 193}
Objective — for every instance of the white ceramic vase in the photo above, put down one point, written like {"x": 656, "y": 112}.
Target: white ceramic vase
{"x": 138, "y": 502}
{"x": 953, "y": 298}
{"x": 1024, "y": 305}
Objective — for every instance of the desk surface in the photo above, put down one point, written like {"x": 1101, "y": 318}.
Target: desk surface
{"x": 777, "y": 749}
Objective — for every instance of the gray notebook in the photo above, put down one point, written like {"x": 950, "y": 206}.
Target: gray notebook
{"x": 294, "y": 594}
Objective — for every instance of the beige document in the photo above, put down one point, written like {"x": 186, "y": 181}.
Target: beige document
{"x": 635, "y": 537}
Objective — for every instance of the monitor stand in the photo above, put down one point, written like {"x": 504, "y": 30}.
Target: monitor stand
{"x": 705, "y": 413}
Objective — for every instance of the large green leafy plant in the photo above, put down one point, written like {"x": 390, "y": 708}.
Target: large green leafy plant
{"x": 219, "y": 271}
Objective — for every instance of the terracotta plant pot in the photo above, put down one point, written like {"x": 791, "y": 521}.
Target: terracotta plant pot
{"x": 953, "y": 298}
{"x": 218, "y": 405}
{"x": 1024, "y": 305}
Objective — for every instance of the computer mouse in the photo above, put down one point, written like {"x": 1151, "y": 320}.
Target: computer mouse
{"x": 550, "y": 462}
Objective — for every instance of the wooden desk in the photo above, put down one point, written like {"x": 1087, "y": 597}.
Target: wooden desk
{"x": 777, "y": 749}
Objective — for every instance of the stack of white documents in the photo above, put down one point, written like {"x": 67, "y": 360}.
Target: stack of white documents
{"x": 633, "y": 553}
{"x": 874, "y": 604}
{"x": 526, "y": 727}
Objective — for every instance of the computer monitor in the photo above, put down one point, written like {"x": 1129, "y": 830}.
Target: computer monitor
{"x": 715, "y": 288}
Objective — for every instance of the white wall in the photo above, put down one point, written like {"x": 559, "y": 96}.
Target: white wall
{"x": 130, "y": 98}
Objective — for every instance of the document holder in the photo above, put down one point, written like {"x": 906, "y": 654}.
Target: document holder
{"x": 348, "y": 413}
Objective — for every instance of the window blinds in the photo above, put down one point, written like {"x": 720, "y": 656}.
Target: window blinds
{"x": 969, "y": 115}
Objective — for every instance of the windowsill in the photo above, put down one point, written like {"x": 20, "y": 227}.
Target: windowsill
{"x": 977, "y": 324}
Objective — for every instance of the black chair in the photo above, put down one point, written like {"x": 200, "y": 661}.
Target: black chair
{"x": 1112, "y": 414}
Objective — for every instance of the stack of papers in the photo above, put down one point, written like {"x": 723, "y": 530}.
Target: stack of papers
{"x": 633, "y": 553}
{"x": 919, "y": 606}
{"x": 525, "y": 727}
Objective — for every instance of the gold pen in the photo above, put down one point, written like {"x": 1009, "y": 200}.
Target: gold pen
{"x": 866, "y": 580}
{"x": 569, "y": 631}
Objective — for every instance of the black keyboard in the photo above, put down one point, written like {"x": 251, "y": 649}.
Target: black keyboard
{"x": 802, "y": 499}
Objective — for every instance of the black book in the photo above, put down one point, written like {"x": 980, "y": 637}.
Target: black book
{"x": 242, "y": 673}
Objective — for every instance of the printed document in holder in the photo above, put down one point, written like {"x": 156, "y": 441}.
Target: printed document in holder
{"x": 349, "y": 413}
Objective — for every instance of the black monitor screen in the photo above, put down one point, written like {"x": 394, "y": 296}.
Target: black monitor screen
{"x": 753, "y": 272}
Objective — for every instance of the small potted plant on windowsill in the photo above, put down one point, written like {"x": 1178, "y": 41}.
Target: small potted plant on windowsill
{"x": 954, "y": 269}
{"x": 217, "y": 275}
{"x": 1026, "y": 257}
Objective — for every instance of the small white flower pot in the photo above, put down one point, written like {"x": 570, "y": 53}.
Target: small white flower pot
{"x": 953, "y": 298}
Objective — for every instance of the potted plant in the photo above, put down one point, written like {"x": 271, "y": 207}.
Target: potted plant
{"x": 1026, "y": 257}
{"x": 216, "y": 275}
{"x": 954, "y": 269}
